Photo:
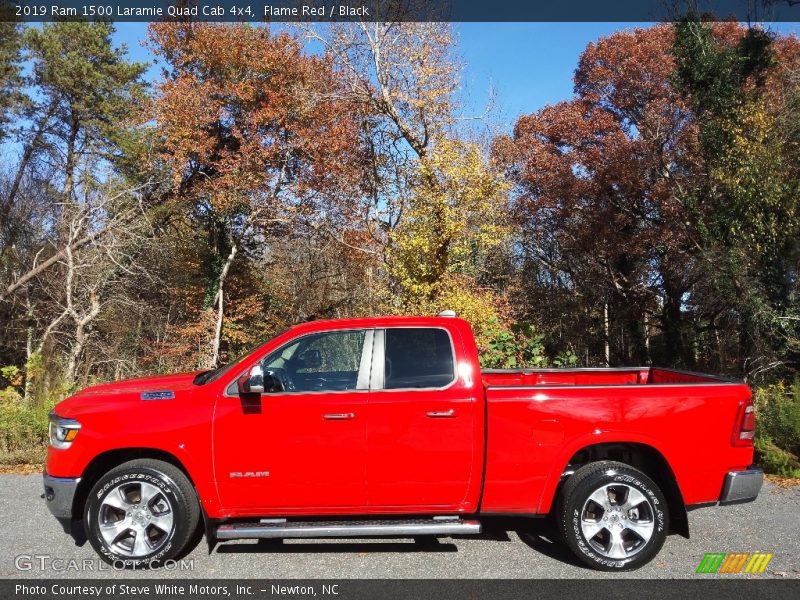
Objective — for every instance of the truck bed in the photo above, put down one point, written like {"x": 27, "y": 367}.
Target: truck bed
{"x": 596, "y": 377}
{"x": 538, "y": 419}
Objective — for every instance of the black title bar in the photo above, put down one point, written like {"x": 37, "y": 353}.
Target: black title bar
{"x": 397, "y": 10}
{"x": 707, "y": 587}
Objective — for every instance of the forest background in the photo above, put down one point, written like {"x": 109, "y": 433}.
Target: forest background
{"x": 268, "y": 176}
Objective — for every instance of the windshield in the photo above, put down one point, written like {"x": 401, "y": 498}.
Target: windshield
{"x": 214, "y": 374}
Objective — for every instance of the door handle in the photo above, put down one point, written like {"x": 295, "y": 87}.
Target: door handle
{"x": 442, "y": 414}
{"x": 338, "y": 416}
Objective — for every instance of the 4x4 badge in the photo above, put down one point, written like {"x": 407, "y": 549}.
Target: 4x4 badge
{"x": 158, "y": 395}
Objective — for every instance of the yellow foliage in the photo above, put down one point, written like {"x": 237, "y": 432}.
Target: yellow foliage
{"x": 476, "y": 305}
{"x": 456, "y": 213}
{"x": 754, "y": 177}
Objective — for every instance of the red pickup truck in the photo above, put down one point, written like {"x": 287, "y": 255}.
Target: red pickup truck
{"x": 388, "y": 427}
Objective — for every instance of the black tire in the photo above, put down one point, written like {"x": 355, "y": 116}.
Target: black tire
{"x": 597, "y": 551}
{"x": 174, "y": 496}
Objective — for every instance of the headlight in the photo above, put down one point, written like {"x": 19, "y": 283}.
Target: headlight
{"x": 62, "y": 431}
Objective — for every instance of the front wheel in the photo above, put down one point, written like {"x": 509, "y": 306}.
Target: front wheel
{"x": 141, "y": 513}
{"x": 612, "y": 516}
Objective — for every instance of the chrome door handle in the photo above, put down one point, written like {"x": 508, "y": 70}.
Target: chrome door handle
{"x": 443, "y": 414}
{"x": 338, "y": 416}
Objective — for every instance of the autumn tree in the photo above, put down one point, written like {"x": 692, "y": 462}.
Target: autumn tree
{"x": 744, "y": 200}
{"x": 260, "y": 143}
{"x": 437, "y": 203}
{"x": 11, "y": 98}
{"x": 61, "y": 198}
{"x": 402, "y": 79}
{"x": 10, "y": 72}
{"x": 594, "y": 181}
{"x": 85, "y": 91}
{"x": 613, "y": 193}
{"x": 452, "y": 218}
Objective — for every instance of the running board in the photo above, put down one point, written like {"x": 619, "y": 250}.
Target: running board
{"x": 276, "y": 528}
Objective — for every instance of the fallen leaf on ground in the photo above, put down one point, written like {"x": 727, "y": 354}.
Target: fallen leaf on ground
{"x": 783, "y": 482}
{"x": 27, "y": 469}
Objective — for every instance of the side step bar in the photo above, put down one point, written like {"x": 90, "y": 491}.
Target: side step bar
{"x": 276, "y": 528}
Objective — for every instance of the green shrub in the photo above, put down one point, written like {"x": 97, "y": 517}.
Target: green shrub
{"x": 776, "y": 460}
{"x": 566, "y": 359}
{"x": 778, "y": 428}
{"x": 516, "y": 347}
{"x": 23, "y": 429}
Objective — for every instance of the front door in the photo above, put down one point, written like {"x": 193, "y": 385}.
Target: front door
{"x": 302, "y": 447}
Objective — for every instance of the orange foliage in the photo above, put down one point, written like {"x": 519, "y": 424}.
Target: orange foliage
{"x": 244, "y": 114}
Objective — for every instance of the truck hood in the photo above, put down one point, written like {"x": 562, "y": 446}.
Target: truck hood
{"x": 174, "y": 382}
{"x": 160, "y": 387}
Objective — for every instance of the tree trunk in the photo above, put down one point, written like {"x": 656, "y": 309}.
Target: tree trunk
{"x": 81, "y": 320}
{"x": 69, "y": 167}
{"x": 219, "y": 300}
{"x": 672, "y": 325}
{"x": 81, "y": 325}
{"x": 29, "y": 323}
{"x": 75, "y": 353}
{"x": 606, "y": 335}
{"x": 27, "y": 154}
{"x": 30, "y": 350}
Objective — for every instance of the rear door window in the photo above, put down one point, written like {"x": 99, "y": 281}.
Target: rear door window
{"x": 418, "y": 357}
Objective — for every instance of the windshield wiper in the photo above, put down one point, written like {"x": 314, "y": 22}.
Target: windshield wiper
{"x": 202, "y": 378}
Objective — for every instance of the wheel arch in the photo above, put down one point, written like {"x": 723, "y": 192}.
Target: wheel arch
{"x": 643, "y": 457}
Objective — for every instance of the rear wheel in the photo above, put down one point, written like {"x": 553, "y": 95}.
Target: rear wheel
{"x": 612, "y": 516}
{"x": 141, "y": 513}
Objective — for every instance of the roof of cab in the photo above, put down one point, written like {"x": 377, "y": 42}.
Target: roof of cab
{"x": 387, "y": 321}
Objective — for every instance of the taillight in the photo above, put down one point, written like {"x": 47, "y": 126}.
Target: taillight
{"x": 746, "y": 430}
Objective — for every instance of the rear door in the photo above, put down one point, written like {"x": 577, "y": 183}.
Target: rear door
{"x": 422, "y": 419}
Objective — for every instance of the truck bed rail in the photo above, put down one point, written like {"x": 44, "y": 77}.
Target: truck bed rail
{"x": 600, "y": 376}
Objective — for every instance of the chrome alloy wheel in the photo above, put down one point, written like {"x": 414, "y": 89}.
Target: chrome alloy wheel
{"x": 135, "y": 519}
{"x": 617, "y": 521}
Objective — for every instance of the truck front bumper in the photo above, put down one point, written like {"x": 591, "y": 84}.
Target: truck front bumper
{"x": 59, "y": 492}
{"x": 742, "y": 486}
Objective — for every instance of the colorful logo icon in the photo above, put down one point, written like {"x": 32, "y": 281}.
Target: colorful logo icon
{"x": 735, "y": 562}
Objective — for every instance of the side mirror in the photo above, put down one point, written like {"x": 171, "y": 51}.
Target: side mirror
{"x": 311, "y": 359}
{"x": 252, "y": 382}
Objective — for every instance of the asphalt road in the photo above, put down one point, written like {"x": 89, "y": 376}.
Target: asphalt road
{"x": 770, "y": 524}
